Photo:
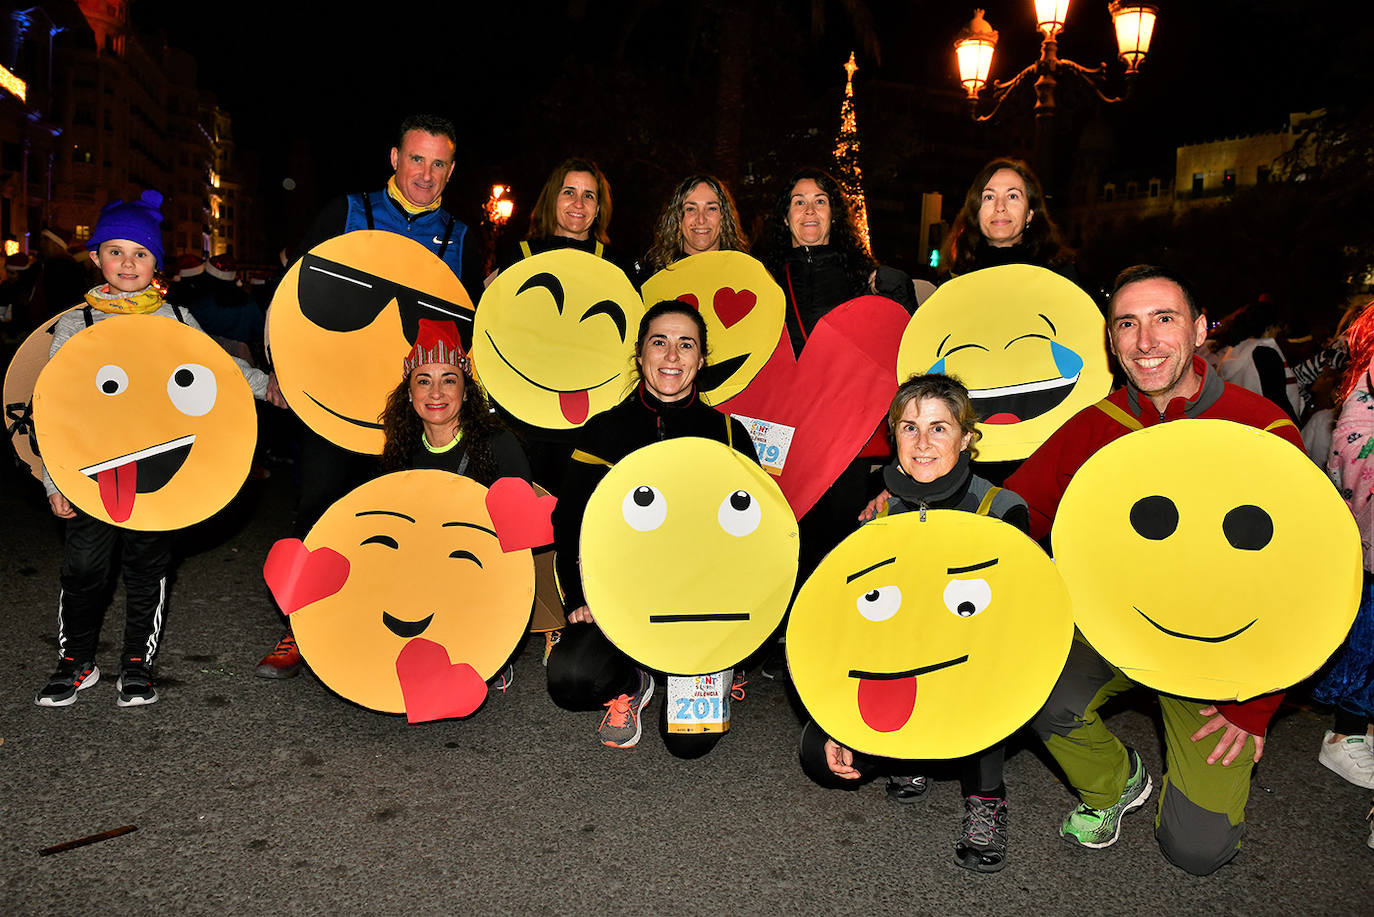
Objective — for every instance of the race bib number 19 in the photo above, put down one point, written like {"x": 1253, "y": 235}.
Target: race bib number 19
{"x": 699, "y": 703}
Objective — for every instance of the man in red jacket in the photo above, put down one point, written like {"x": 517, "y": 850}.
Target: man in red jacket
{"x": 1155, "y": 327}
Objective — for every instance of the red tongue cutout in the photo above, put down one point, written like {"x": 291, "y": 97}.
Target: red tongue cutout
{"x": 886, "y": 704}
{"x": 117, "y": 490}
{"x": 732, "y": 306}
{"x": 432, "y": 687}
{"x": 1002, "y": 417}
{"x": 574, "y": 405}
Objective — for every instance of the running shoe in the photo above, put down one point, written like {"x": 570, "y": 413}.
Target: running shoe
{"x": 71, "y": 676}
{"x": 1098, "y": 828}
{"x": 621, "y": 726}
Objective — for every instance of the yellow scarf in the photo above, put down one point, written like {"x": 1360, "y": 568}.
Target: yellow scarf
{"x": 148, "y": 299}
{"x": 395, "y": 191}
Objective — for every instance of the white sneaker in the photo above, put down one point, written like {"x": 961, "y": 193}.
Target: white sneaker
{"x": 1352, "y": 758}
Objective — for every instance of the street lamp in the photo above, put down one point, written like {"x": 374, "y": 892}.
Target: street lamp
{"x": 974, "y": 48}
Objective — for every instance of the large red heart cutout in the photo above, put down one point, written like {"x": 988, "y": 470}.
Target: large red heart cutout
{"x": 299, "y": 577}
{"x": 731, "y": 306}
{"x": 834, "y": 396}
{"x": 432, "y": 687}
{"x": 522, "y": 519}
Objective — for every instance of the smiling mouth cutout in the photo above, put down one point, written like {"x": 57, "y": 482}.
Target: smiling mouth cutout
{"x": 343, "y": 417}
{"x": 574, "y": 403}
{"x": 887, "y": 699}
{"x": 121, "y": 480}
{"x": 1008, "y": 404}
{"x": 717, "y": 374}
{"x": 1174, "y": 633}
{"x": 406, "y": 629}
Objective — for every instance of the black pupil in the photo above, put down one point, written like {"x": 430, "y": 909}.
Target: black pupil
{"x": 1154, "y": 517}
{"x": 1248, "y": 528}
{"x": 966, "y": 608}
{"x": 871, "y": 596}
{"x": 184, "y": 377}
{"x": 644, "y": 495}
{"x": 109, "y": 386}
{"x": 739, "y": 500}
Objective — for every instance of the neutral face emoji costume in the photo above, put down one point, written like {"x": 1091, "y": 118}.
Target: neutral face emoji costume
{"x": 1208, "y": 559}
{"x": 689, "y": 554}
{"x": 145, "y": 423}
{"x": 743, "y": 308}
{"x": 929, "y": 639}
{"x": 407, "y": 602}
{"x": 1030, "y": 347}
{"x": 554, "y": 338}
{"x": 345, "y": 317}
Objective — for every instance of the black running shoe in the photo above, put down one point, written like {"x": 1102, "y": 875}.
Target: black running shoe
{"x": 71, "y": 676}
{"x": 135, "y": 684}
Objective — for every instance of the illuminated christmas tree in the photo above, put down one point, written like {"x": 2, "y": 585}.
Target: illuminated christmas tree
{"x": 847, "y": 155}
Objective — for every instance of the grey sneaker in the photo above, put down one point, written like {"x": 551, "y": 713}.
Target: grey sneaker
{"x": 982, "y": 844}
{"x": 621, "y": 726}
{"x": 1098, "y": 828}
{"x": 135, "y": 685}
{"x": 906, "y": 789}
{"x": 71, "y": 676}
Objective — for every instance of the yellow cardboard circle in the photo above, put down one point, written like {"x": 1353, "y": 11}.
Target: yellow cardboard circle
{"x": 479, "y": 613}
{"x": 371, "y": 285}
{"x": 142, "y": 417}
{"x": 555, "y": 337}
{"x": 696, "y": 578}
{"x": 28, "y": 361}
{"x": 1030, "y": 346}
{"x": 744, "y": 312}
{"x": 929, "y": 639}
{"x": 1143, "y": 537}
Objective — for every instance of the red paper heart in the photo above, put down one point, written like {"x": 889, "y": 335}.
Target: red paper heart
{"x": 834, "y": 395}
{"x": 731, "y": 306}
{"x": 522, "y": 519}
{"x": 691, "y": 300}
{"x": 298, "y": 576}
{"x": 434, "y": 688}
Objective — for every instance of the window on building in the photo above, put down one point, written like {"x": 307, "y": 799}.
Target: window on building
{"x": 1109, "y": 192}
{"x": 1228, "y": 181}
{"x": 83, "y": 232}
{"x": 1154, "y": 187}
{"x": 11, "y": 157}
{"x": 1197, "y": 182}
{"x": 1262, "y": 175}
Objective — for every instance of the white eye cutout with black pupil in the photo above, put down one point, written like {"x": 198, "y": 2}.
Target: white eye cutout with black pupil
{"x": 880, "y": 604}
{"x": 739, "y": 514}
{"x": 192, "y": 389}
{"x": 967, "y": 597}
{"x": 644, "y": 508}
{"x": 111, "y": 379}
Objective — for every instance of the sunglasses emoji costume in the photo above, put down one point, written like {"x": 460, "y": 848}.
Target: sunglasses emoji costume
{"x": 345, "y": 315}
{"x": 743, "y": 308}
{"x": 413, "y": 589}
{"x": 554, "y": 338}
{"x": 145, "y": 423}
{"x": 1029, "y": 345}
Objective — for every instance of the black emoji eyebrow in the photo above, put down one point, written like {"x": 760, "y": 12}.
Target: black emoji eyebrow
{"x": 468, "y": 525}
{"x": 882, "y": 563}
{"x": 1053, "y": 330}
{"x": 610, "y": 310}
{"x": 971, "y": 567}
{"x": 382, "y": 512}
{"x": 548, "y": 282}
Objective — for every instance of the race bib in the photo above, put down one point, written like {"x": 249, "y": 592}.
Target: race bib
{"x": 771, "y": 441}
{"x": 699, "y": 703}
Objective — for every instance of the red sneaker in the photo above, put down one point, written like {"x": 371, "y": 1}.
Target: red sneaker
{"x": 283, "y": 662}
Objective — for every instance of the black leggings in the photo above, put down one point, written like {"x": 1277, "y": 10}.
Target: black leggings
{"x": 586, "y": 670}
{"x": 980, "y": 775}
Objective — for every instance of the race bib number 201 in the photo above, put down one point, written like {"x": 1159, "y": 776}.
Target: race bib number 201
{"x": 699, "y": 703}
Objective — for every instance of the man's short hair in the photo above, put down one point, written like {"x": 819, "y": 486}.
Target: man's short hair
{"x": 430, "y": 124}
{"x": 1153, "y": 272}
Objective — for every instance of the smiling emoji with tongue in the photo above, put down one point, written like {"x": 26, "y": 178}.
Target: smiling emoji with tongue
{"x": 1030, "y": 346}
{"x": 553, "y": 341}
{"x": 145, "y": 423}
{"x": 929, "y": 635}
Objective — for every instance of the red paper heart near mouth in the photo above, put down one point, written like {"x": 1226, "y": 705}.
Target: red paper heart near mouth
{"x": 731, "y": 306}
{"x": 299, "y": 577}
{"x": 886, "y": 704}
{"x": 434, "y": 688}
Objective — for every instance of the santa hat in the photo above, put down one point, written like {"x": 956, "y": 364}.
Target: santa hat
{"x": 436, "y": 342}
{"x": 222, "y": 267}
{"x": 190, "y": 265}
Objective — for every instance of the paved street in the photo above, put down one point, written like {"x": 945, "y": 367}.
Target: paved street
{"x": 280, "y": 798}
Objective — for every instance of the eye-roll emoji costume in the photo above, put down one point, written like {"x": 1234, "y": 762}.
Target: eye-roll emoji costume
{"x": 343, "y": 318}
{"x": 743, "y": 308}
{"x": 689, "y": 555}
{"x": 554, "y": 338}
{"x": 1029, "y": 345}
{"x": 413, "y": 590}
{"x": 929, "y": 635}
{"x": 1255, "y": 574}
{"x": 145, "y": 423}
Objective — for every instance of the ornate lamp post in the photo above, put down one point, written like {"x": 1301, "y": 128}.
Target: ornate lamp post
{"x": 497, "y": 211}
{"x": 975, "y": 45}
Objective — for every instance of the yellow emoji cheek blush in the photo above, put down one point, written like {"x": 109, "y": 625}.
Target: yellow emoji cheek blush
{"x": 1209, "y": 559}
{"x": 931, "y": 638}
{"x": 1029, "y": 345}
{"x": 145, "y": 423}
{"x": 689, "y": 554}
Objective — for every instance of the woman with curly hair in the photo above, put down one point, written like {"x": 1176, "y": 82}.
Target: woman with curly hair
{"x": 699, "y": 217}
{"x": 1005, "y": 220}
{"x": 573, "y": 210}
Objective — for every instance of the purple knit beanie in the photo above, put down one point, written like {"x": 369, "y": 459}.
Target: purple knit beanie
{"x": 138, "y": 221}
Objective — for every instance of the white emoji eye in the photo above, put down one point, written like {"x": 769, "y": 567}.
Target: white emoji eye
{"x": 193, "y": 389}
{"x": 739, "y": 514}
{"x": 880, "y": 604}
{"x": 967, "y": 597}
{"x": 111, "y": 379}
{"x": 644, "y": 508}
